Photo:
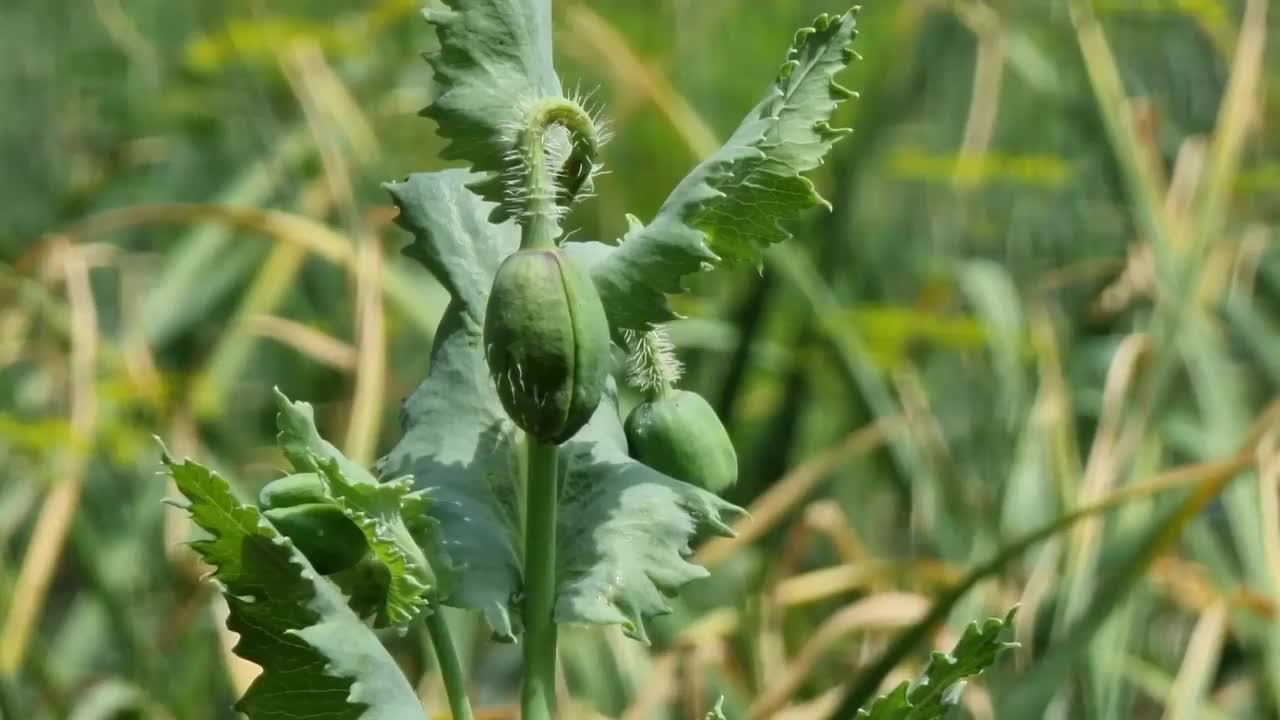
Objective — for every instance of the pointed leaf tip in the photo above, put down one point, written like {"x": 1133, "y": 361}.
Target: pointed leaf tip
{"x": 732, "y": 206}
{"x": 313, "y": 651}
{"x": 945, "y": 677}
{"x": 640, "y": 521}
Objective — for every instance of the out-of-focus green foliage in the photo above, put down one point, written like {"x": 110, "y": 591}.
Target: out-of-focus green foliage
{"x": 1048, "y": 285}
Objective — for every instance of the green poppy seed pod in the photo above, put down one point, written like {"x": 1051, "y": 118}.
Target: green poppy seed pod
{"x": 546, "y": 340}
{"x": 680, "y": 435}
{"x": 299, "y": 508}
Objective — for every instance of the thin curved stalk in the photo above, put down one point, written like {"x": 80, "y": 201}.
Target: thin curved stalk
{"x": 455, "y": 680}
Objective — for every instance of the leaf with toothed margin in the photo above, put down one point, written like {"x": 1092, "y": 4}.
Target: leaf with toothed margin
{"x": 301, "y": 443}
{"x": 458, "y": 441}
{"x": 438, "y": 205}
{"x": 401, "y": 536}
{"x": 317, "y": 658}
{"x": 623, "y": 527}
{"x": 494, "y": 57}
{"x": 730, "y": 208}
{"x": 938, "y": 689}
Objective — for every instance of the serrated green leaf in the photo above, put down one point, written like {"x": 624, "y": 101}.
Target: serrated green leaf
{"x": 384, "y": 513}
{"x": 624, "y": 528}
{"x": 302, "y": 444}
{"x": 939, "y": 687}
{"x": 458, "y": 440}
{"x": 393, "y": 518}
{"x": 438, "y": 205}
{"x": 317, "y": 658}
{"x": 494, "y": 58}
{"x": 730, "y": 207}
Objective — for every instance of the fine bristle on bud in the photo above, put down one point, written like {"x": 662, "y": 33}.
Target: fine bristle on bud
{"x": 652, "y": 365}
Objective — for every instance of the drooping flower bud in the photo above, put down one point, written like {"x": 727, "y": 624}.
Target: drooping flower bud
{"x": 547, "y": 343}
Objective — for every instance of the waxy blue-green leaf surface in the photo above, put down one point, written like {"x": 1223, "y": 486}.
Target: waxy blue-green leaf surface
{"x": 494, "y": 58}
{"x": 623, "y": 529}
{"x": 938, "y": 689}
{"x": 730, "y": 207}
{"x": 458, "y": 441}
{"x": 317, "y": 658}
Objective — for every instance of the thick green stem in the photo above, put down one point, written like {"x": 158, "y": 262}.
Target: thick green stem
{"x": 543, "y": 191}
{"x": 455, "y": 681}
{"x": 538, "y": 696}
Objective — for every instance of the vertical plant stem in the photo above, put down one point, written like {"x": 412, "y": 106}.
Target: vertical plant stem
{"x": 455, "y": 681}
{"x": 538, "y": 696}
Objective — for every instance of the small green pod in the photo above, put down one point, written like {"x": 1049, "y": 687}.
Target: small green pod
{"x": 298, "y": 507}
{"x": 546, "y": 340}
{"x": 290, "y": 490}
{"x": 680, "y": 435}
{"x": 327, "y": 537}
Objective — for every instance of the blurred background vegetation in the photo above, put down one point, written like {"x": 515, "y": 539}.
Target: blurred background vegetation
{"x": 1048, "y": 283}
